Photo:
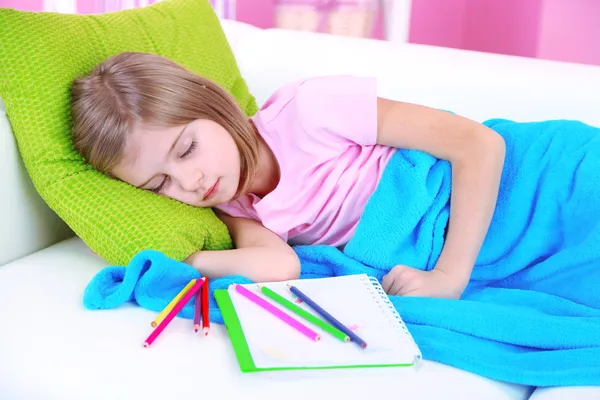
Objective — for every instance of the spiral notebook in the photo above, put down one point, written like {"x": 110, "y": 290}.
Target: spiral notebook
{"x": 264, "y": 343}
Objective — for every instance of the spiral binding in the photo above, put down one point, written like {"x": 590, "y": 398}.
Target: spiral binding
{"x": 387, "y": 308}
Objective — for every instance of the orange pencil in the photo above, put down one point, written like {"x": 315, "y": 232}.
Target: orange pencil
{"x": 157, "y": 331}
{"x": 205, "y": 316}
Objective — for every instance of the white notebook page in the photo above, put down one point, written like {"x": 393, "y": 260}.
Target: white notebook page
{"x": 351, "y": 299}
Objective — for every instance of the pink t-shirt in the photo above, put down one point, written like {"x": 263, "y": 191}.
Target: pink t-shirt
{"x": 323, "y": 134}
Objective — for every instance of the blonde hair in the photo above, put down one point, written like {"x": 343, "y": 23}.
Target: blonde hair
{"x": 138, "y": 88}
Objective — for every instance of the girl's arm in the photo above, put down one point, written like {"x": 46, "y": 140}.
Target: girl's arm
{"x": 476, "y": 154}
{"x": 259, "y": 254}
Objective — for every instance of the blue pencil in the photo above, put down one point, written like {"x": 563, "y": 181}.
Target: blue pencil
{"x": 327, "y": 316}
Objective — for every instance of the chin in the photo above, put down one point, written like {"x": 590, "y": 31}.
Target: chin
{"x": 227, "y": 197}
{"x": 214, "y": 202}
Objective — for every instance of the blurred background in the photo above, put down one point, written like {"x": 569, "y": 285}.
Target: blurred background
{"x": 561, "y": 30}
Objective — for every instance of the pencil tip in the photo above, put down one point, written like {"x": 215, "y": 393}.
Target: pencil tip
{"x": 205, "y": 330}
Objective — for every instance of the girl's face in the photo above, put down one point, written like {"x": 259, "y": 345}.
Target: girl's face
{"x": 197, "y": 163}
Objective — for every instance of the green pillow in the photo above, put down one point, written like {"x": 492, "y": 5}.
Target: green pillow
{"x": 41, "y": 54}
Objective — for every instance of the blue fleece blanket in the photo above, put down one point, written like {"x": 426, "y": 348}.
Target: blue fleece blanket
{"x": 531, "y": 313}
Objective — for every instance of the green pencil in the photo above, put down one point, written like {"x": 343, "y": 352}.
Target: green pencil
{"x": 304, "y": 314}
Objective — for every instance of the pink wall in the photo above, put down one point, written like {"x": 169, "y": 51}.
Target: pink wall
{"x": 551, "y": 29}
{"x": 260, "y": 12}
{"x": 506, "y": 27}
{"x": 438, "y": 22}
{"x": 89, "y": 6}
{"x": 570, "y": 31}
{"x": 26, "y": 5}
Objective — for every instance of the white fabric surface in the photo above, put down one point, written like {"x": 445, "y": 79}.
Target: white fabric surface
{"x": 51, "y": 347}
{"x": 26, "y": 222}
{"x": 567, "y": 393}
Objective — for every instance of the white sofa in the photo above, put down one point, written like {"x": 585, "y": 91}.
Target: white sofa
{"x": 53, "y": 348}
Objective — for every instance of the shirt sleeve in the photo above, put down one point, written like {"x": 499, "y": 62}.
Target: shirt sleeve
{"x": 339, "y": 109}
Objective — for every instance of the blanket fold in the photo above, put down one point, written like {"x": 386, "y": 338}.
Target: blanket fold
{"x": 531, "y": 312}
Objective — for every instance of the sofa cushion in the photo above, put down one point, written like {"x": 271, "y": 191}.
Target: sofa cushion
{"x": 41, "y": 54}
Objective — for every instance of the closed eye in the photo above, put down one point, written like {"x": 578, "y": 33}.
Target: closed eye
{"x": 189, "y": 150}
{"x": 161, "y": 186}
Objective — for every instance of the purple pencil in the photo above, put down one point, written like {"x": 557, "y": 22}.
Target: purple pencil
{"x": 306, "y": 331}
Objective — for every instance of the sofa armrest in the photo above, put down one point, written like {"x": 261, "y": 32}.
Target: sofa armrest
{"x": 27, "y": 223}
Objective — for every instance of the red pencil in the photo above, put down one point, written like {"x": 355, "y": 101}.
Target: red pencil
{"x": 205, "y": 316}
{"x": 173, "y": 313}
{"x": 197, "y": 308}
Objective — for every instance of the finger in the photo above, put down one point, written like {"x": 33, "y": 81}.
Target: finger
{"x": 413, "y": 281}
{"x": 410, "y": 293}
{"x": 416, "y": 291}
{"x": 387, "y": 282}
{"x": 396, "y": 288}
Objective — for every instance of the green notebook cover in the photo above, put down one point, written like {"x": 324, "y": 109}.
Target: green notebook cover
{"x": 242, "y": 350}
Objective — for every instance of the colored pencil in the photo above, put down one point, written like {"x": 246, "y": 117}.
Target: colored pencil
{"x": 197, "y": 305}
{"x": 163, "y": 324}
{"x": 304, "y": 314}
{"x": 170, "y": 306}
{"x": 265, "y": 305}
{"x": 205, "y": 313}
{"x": 327, "y": 316}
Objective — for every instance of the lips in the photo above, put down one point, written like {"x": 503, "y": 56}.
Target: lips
{"x": 212, "y": 191}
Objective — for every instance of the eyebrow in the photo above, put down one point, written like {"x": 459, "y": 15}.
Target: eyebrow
{"x": 168, "y": 153}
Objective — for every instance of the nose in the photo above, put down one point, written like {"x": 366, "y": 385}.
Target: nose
{"x": 191, "y": 182}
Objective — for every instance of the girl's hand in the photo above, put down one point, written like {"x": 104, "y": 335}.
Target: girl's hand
{"x": 407, "y": 281}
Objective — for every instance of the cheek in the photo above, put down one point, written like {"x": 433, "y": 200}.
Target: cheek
{"x": 172, "y": 192}
{"x": 223, "y": 158}
{"x": 128, "y": 174}
{"x": 176, "y": 193}
{"x": 234, "y": 156}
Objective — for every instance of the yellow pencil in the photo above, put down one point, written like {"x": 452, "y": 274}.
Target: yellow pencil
{"x": 172, "y": 304}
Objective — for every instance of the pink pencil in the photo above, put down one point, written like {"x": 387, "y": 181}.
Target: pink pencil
{"x": 278, "y": 313}
{"x": 173, "y": 312}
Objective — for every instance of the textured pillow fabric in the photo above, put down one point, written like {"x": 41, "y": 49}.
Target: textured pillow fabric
{"x": 41, "y": 54}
